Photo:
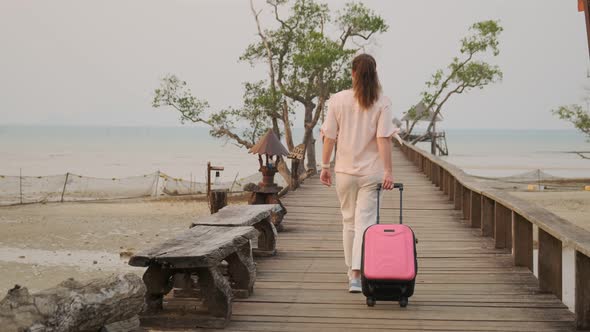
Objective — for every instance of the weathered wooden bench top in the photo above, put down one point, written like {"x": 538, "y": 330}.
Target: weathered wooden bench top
{"x": 239, "y": 215}
{"x": 201, "y": 246}
{"x": 259, "y": 216}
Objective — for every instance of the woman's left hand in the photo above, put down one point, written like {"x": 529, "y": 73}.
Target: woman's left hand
{"x": 326, "y": 177}
{"x": 387, "y": 181}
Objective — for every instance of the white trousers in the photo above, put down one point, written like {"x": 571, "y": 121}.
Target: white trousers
{"x": 358, "y": 204}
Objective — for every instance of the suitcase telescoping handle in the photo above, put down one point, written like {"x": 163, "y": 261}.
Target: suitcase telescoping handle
{"x": 400, "y": 186}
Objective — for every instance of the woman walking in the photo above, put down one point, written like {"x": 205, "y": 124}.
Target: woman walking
{"x": 359, "y": 120}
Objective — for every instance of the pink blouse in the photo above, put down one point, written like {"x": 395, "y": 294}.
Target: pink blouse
{"x": 356, "y": 132}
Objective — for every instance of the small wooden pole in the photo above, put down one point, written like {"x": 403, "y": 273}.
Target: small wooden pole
{"x": 64, "y": 190}
{"x": 208, "y": 177}
{"x": 550, "y": 263}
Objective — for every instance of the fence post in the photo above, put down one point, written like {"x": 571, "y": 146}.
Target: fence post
{"x": 64, "y": 190}
{"x": 20, "y": 184}
{"x": 234, "y": 182}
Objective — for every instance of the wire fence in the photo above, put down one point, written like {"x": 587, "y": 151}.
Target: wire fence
{"x": 73, "y": 187}
{"x": 537, "y": 180}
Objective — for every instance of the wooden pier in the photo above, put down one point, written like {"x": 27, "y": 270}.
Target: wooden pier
{"x": 467, "y": 279}
{"x": 464, "y": 282}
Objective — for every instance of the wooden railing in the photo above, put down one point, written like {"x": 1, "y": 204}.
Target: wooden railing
{"x": 509, "y": 221}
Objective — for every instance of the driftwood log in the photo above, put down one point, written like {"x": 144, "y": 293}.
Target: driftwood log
{"x": 110, "y": 304}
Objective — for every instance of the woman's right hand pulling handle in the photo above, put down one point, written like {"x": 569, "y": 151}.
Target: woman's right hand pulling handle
{"x": 387, "y": 181}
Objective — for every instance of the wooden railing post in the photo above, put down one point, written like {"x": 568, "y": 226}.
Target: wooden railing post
{"x": 451, "y": 185}
{"x": 458, "y": 195}
{"x": 550, "y": 263}
{"x": 523, "y": 242}
{"x": 502, "y": 226}
{"x": 475, "y": 210}
{"x": 487, "y": 216}
{"x": 466, "y": 204}
{"x": 437, "y": 175}
{"x": 582, "y": 291}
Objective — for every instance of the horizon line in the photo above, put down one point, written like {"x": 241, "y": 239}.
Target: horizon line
{"x": 204, "y": 127}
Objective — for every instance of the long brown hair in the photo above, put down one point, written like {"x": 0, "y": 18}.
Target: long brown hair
{"x": 366, "y": 82}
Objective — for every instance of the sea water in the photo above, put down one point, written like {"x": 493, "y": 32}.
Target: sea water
{"x": 501, "y": 152}
{"x": 183, "y": 152}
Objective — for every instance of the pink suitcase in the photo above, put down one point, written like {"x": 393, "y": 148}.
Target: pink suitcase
{"x": 389, "y": 264}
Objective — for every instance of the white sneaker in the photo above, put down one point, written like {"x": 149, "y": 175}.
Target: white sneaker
{"x": 354, "y": 286}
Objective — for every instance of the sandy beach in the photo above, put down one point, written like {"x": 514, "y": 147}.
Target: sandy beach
{"x": 44, "y": 244}
{"x": 573, "y": 206}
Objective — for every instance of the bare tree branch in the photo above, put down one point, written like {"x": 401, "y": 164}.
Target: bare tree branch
{"x": 443, "y": 86}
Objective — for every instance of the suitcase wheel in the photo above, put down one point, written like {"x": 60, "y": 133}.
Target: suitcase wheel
{"x": 403, "y": 302}
{"x": 371, "y": 301}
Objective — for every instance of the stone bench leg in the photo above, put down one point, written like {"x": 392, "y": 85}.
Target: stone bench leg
{"x": 217, "y": 295}
{"x": 242, "y": 271}
{"x": 158, "y": 283}
{"x": 267, "y": 239}
{"x": 214, "y": 288}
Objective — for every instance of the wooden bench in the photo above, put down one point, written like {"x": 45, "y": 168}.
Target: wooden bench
{"x": 197, "y": 252}
{"x": 259, "y": 216}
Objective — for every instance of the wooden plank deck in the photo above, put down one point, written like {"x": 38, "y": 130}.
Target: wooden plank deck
{"x": 463, "y": 284}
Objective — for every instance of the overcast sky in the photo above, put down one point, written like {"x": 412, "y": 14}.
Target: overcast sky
{"x": 98, "y": 62}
